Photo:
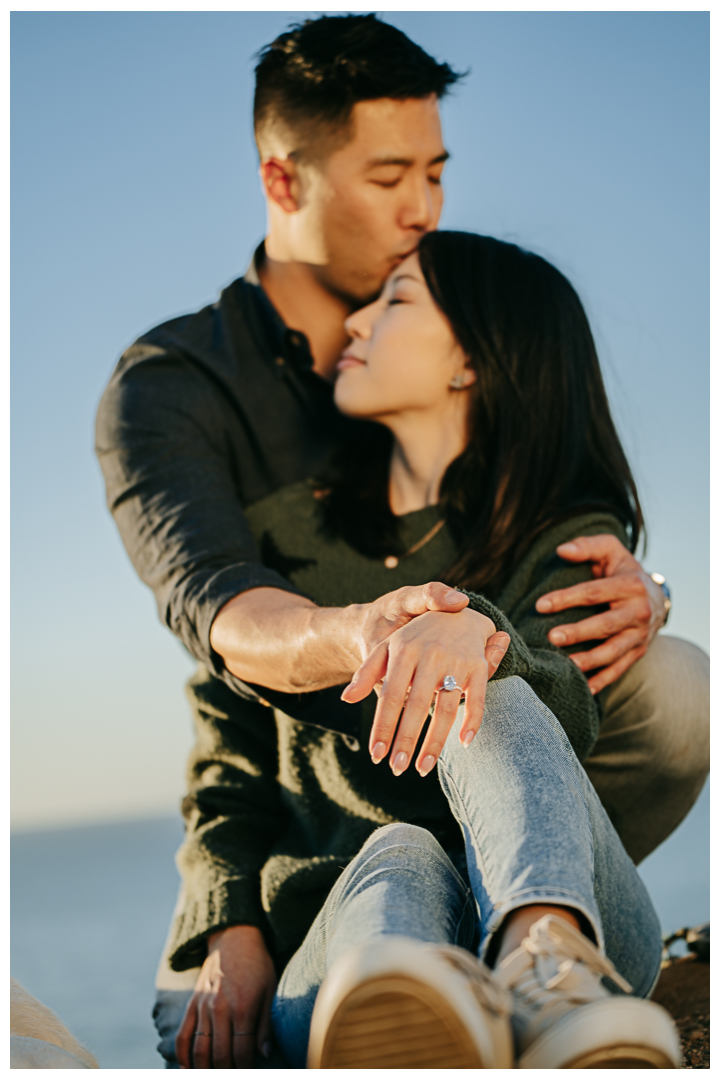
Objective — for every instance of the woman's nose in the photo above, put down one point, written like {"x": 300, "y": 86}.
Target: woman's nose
{"x": 358, "y": 325}
{"x": 351, "y": 327}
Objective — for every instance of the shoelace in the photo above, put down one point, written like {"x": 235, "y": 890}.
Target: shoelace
{"x": 565, "y": 983}
{"x": 546, "y": 940}
{"x": 482, "y": 983}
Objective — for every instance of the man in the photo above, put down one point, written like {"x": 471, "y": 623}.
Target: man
{"x": 210, "y": 412}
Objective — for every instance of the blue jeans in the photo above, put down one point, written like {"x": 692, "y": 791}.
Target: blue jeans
{"x": 535, "y": 832}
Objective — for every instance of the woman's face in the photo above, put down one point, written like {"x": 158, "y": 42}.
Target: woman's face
{"x": 403, "y": 354}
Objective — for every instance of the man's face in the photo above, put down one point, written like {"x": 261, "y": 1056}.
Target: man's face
{"x": 369, "y": 203}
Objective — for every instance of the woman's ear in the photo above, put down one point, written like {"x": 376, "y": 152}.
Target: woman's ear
{"x": 463, "y": 379}
{"x": 469, "y": 375}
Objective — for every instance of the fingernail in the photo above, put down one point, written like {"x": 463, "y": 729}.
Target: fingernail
{"x": 266, "y": 1049}
{"x": 573, "y": 548}
{"x": 426, "y": 765}
{"x": 468, "y": 738}
{"x": 454, "y": 597}
{"x": 399, "y": 763}
{"x": 543, "y": 605}
{"x": 377, "y": 752}
{"x": 558, "y": 637}
{"x": 347, "y": 689}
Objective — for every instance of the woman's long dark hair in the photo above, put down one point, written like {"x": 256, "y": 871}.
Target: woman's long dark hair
{"x": 542, "y": 445}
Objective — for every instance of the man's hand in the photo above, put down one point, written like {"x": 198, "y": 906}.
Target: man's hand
{"x": 637, "y": 608}
{"x": 228, "y": 1017}
{"x": 383, "y": 617}
{"x": 411, "y": 665}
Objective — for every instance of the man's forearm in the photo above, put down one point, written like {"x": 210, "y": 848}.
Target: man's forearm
{"x": 283, "y": 641}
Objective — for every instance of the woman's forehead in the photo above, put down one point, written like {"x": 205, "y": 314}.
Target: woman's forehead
{"x": 409, "y": 269}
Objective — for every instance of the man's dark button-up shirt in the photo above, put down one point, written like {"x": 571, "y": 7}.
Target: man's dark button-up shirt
{"x": 204, "y": 415}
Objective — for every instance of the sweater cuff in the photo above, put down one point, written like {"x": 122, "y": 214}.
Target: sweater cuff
{"x": 517, "y": 659}
{"x": 230, "y": 903}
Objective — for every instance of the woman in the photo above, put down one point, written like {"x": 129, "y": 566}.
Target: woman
{"x": 491, "y": 443}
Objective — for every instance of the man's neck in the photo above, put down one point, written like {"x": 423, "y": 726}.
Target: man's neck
{"x": 304, "y": 304}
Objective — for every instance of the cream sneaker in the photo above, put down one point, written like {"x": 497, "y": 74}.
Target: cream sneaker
{"x": 401, "y": 1004}
{"x": 564, "y": 1018}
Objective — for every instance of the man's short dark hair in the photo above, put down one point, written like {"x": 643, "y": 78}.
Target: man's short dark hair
{"x": 310, "y": 77}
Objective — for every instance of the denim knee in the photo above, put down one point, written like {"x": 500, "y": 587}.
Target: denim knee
{"x": 168, "y": 1014}
{"x": 402, "y": 834}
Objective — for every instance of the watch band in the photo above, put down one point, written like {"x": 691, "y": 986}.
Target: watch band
{"x": 659, "y": 579}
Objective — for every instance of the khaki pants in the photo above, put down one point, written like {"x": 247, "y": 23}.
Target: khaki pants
{"x": 653, "y": 754}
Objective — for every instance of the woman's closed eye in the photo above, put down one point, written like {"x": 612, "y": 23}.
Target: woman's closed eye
{"x": 402, "y": 295}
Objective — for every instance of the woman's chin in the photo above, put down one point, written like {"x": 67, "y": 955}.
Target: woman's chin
{"x": 350, "y": 408}
{"x": 349, "y": 403}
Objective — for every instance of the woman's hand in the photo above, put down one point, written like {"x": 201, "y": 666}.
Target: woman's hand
{"x": 411, "y": 665}
{"x": 228, "y": 1017}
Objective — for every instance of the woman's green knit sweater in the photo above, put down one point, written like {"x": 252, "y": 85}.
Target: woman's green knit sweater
{"x": 277, "y": 808}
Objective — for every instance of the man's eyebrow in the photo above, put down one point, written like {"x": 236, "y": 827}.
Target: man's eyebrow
{"x": 406, "y": 161}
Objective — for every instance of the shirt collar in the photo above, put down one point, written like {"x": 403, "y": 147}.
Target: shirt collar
{"x": 251, "y": 274}
{"x": 293, "y": 344}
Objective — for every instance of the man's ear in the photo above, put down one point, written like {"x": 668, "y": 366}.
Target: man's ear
{"x": 281, "y": 183}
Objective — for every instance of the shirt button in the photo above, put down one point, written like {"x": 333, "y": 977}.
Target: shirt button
{"x": 280, "y": 361}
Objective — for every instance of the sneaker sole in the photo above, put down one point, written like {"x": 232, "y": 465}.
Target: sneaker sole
{"x": 617, "y": 1033}
{"x": 396, "y": 1006}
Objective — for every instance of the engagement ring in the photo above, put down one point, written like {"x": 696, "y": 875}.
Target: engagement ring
{"x": 449, "y": 683}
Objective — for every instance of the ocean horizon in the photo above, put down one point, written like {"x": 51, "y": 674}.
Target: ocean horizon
{"x": 91, "y": 906}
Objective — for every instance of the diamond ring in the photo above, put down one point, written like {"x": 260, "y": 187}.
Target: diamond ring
{"x": 449, "y": 683}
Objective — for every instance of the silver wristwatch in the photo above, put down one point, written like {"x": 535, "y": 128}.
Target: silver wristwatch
{"x": 659, "y": 579}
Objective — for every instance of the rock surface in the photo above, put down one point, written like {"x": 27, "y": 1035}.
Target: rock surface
{"x": 684, "y": 990}
{"x": 28, "y": 1053}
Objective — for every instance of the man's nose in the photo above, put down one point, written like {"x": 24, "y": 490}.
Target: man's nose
{"x": 421, "y": 209}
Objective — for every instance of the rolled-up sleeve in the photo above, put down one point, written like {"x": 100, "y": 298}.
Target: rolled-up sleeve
{"x": 162, "y": 441}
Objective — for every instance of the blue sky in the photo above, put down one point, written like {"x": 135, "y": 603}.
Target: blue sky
{"x": 583, "y": 136}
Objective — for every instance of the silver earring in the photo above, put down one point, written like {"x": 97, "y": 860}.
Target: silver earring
{"x": 457, "y": 382}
